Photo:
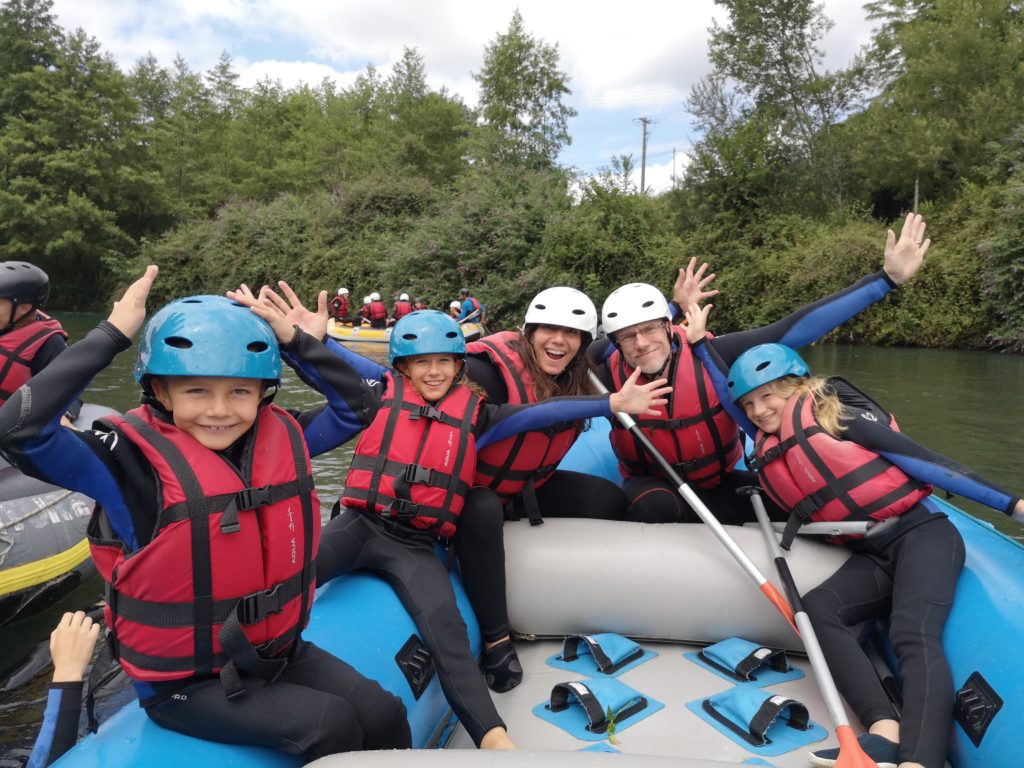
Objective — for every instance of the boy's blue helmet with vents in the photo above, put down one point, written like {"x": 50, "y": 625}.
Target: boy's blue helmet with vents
{"x": 208, "y": 336}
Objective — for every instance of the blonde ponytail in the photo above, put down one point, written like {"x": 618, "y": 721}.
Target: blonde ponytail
{"x": 828, "y": 410}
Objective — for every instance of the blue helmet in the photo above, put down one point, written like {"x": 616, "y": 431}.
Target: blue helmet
{"x": 426, "y": 332}
{"x": 208, "y": 336}
{"x": 762, "y": 364}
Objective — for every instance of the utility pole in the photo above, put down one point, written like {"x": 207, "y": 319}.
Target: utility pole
{"x": 644, "y": 121}
{"x": 673, "y": 167}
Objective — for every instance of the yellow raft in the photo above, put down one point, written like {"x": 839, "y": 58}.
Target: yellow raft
{"x": 365, "y": 334}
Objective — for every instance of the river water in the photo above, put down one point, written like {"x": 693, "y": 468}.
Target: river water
{"x": 966, "y": 405}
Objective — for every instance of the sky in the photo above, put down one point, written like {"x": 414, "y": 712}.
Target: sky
{"x": 622, "y": 66}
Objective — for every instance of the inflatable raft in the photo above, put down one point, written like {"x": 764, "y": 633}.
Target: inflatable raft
{"x": 43, "y": 552}
{"x": 673, "y": 590}
{"x": 366, "y": 334}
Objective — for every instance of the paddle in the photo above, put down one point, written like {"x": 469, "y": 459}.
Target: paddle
{"x": 767, "y": 588}
{"x": 471, "y": 316}
{"x": 850, "y": 753}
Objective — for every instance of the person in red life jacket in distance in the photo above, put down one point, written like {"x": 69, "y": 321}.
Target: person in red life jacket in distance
{"x": 694, "y": 432}
{"x": 339, "y": 306}
{"x": 470, "y": 310}
{"x": 408, "y": 482}
{"x": 419, "y": 303}
{"x": 29, "y": 338}
{"x": 401, "y": 308}
{"x": 519, "y": 476}
{"x": 824, "y": 451}
{"x": 454, "y": 309}
{"x": 375, "y": 312}
{"x": 211, "y": 482}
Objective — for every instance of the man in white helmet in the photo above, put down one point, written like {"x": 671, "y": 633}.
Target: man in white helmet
{"x": 693, "y": 432}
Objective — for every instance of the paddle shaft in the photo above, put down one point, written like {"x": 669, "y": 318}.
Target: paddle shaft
{"x": 822, "y": 674}
{"x": 697, "y": 505}
{"x": 471, "y": 316}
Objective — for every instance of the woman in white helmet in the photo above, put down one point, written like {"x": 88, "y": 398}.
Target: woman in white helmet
{"x": 454, "y": 308}
{"x": 401, "y": 308}
{"x": 517, "y": 476}
{"x": 339, "y": 306}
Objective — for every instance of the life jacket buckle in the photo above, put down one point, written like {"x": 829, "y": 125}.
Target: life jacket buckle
{"x": 257, "y": 606}
{"x": 428, "y": 412}
{"x": 253, "y": 498}
{"x": 415, "y": 473}
{"x": 402, "y": 509}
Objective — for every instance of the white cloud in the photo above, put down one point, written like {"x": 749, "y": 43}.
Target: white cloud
{"x": 292, "y": 73}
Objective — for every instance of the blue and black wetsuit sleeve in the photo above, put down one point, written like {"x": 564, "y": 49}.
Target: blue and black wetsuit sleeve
{"x": 350, "y": 404}
{"x": 59, "y": 730}
{"x": 863, "y": 428}
{"x": 89, "y": 462}
{"x": 809, "y": 323}
{"x": 482, "y": 371}
{"x": 496, "y": 422}
{"x": 367, "y": 368}
{"x": 717, "y": 369}
{"x": 45, "y": 355}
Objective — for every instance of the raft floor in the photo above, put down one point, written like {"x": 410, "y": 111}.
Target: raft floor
{"x": 671, "y": 679}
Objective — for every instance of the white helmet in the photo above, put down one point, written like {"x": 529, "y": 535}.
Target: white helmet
{"x": 455, "y": 304}
{"x": 404, "y": 297}
{"x": 632, "y": 304}
{"x": 367, "y": 299}
{"x": 343, "y": 291}
{"x": 565, "y": 307}
{"x": 374, "y": 296}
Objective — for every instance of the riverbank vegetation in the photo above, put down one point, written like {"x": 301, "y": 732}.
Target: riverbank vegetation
{"x": 390, "y": 185}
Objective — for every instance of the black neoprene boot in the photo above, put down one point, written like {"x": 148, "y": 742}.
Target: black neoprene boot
{"x": 502, "y": 670}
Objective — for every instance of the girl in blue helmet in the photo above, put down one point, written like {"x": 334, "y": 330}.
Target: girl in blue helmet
{"x": 411, "y": 474}
{"x": 825, "y": 451}
{"x": 204, "y": 495}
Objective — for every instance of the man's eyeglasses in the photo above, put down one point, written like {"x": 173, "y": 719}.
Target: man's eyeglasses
{"x": 647, "y": 331}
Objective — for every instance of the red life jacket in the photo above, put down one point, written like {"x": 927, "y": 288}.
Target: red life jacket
{"x": 402, "y": 308}
{"x": 226, "y": 556}
{"x": 339, "y": 307}
{"x": 376, "y": 310}
{"x": 414, "y": 464}
{"x": 692, "y": 431}
{"x": 18, "y": 348}
{"x": 818, "y": 477}
{"x": 509, "y": 465}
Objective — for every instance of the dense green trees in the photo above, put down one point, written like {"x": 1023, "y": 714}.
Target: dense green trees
{"x": 389, "y": 185}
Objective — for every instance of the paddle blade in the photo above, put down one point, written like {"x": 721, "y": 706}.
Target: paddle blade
{"x": 850, "y": 753}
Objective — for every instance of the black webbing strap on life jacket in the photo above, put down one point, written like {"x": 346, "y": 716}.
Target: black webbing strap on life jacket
{"x": 199, "y": 528}
{"x": 255, "y": 608}
{"x": 14, "y": 356}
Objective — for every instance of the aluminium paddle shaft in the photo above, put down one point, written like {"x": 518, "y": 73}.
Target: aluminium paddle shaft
{"x": 697, "y": 505}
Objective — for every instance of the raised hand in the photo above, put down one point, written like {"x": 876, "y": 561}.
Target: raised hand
{"x": 639, "y": 398}
{"x": 71, "y": 646}
{"x": 284, "y": 313}
{"x": 697, "y": 321}
{"x": 689, "y": 287}
{"x": 130, "y": 310}
{"x": 903, "y": 257}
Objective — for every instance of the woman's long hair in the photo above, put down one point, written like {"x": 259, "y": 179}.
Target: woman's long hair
{"x": 828, "y": 409}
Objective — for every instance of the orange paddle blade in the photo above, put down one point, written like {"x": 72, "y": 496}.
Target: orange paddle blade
{"x": 850, "y": 753}
{"x": 775, "y": 598}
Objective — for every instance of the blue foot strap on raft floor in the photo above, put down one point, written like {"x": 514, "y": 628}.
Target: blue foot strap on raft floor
{"x": 745, "y": 663}
{"x": 759, "y": 721}
{"x": 602, "y": 746}
{"x": 580, "y": 708}
{"x": 600, "y": 655}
